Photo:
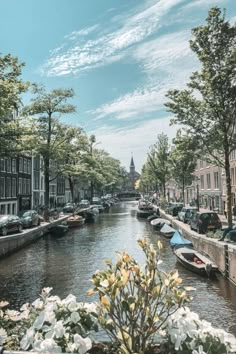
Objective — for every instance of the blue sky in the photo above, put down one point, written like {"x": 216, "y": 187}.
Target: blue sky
{"x": 120, "y": 57}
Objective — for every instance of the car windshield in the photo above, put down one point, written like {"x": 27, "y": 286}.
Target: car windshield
{"x": 3, "y": 217}
{"x": 27, "y": 213}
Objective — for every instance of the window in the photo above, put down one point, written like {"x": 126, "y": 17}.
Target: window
{"x": 8, "y": 187}
{"x": 2, "y": 209}
{"x": 36, "y": 180}
{"x": 232, "y": 176}
{"x": 202, "y": 181}
{"x": 8, "y": 208}
{"x": 24, "y": 186}
{"x": 25, "y": 166}
{"x": 20, "y": 164}
{"x": 13, "y": 208}
{"x": 208, "y": 181}
{"x": 216, "y": 180}
{"x": 13, "y": 165}
{"x": 2, "y": 165}
{"x": 20, "y": 186}
{"x": 28, "y": 186}
{"x": 8, "y": 165}
{"x": 2, "y": 187}
{"x": 29, "y": 166}
{"x": 13, "y": 187}
{"x": 42, "y": 180}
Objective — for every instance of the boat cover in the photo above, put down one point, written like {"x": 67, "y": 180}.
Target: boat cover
{"x": 159, "y": 221}
{"x": 166, "y": 229}
{"x": 178, "y": 240}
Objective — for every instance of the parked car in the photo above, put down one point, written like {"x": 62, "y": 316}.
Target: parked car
{"x": 30, "y": 218}
{"x": 10, "y": 223}
{"x": 69, "y": 208}
{"x": 185, "y": 213}
{"x": 205, "y": 221}
{"x": 84, "y": 203}
{"x": 96, "y": 201}
{"x": 175, "y": 208}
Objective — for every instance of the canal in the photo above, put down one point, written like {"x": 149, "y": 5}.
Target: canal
{"x": 67, "y": 265}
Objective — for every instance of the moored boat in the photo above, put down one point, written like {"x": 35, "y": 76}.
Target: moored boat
{"x": 75, "y": 221}
{"x": 144, "y": 213}
{"x": 177, "y": 240}
{"x": 158, "y": 223}
{"x": 167, "y": 231}
{"x": 195, "y": 261}
{"x": 58, "y": 230}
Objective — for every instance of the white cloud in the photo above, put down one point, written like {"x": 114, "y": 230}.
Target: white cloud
{"x": 168, "y": 63}
{"x": 201, "y": 3}
{"x": 85, "y": 55}
{"x": 121, "y": 142}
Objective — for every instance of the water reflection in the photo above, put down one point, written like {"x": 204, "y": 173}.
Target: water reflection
{"x": 67, "y": 265}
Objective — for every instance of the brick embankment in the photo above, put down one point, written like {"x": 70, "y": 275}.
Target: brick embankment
{"x": 222, "y": 253}
{"x": 13, "y": 242}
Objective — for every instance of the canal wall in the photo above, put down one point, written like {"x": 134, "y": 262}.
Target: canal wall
{"x": 13, "y": 242}
{"x": 222, "y": 253}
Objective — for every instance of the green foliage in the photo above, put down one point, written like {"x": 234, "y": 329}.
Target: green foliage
{"x": 206, "y": 109}
{"x": 182, "y": 161}
{"x": 11, "y": 88}
{"x": 135, "y": 301}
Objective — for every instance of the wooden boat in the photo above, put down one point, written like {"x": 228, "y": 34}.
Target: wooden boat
{"x": 195, "y": 261}
{"x": 144, "y": 213}
{"x": 75, "y": 221}
{"x": 59, "y": 230}
{"x": 177, "y": 240}
{"x": 167, "y": 231}
{"x": 158, "y": 223}
{"x": 89, "y": 214}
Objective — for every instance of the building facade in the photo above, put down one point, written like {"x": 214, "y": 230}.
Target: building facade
{"x": 133, "y": 176}
{"x": 8, "y": 186}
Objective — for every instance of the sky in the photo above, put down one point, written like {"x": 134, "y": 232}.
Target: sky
{"x": 120, "y": 57}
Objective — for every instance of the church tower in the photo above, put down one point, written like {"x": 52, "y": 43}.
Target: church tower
{"x": 132, "y": 173}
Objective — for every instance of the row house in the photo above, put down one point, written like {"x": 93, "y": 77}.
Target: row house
{"x": 208, "y": 186}
{"x": 8, "y": 186}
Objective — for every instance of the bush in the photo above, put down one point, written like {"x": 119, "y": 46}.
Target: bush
{"x": 134, "y": 302}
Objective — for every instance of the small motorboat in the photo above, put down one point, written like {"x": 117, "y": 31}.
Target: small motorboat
{"x": 177, "y": 240}
{"x": 195, "y": 261}
{"x": 75, "y": 221}
{"x": 158, "y": 223}
{"x": 59, "y": 230}
{"x": 167, "y": 231}
{"x": 153, "y": 217}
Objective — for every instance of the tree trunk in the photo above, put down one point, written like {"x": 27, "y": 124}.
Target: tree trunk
{"x": 91, "y": 192}
{"x": 46, "y": 183}
{"x": 228, "y": 188}
{"x": 183, "y": 186}
{"x": 71, "y": 184}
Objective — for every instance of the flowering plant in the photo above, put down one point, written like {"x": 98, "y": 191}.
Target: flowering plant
{"x": 49, "y": 324}
{"x": 185, "y": 333}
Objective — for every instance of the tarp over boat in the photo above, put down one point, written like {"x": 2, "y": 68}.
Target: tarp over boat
{"x": 166, "y": 229}
{"x": 179, "y": 240}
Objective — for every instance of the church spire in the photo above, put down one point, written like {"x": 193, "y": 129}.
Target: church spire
{"x": 132, "y": 161}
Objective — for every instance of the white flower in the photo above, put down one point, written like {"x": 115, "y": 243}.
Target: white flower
{"x": 73, "y": 306}
{"x": 47, "y": 345}
{"x": 83, "y": 344}
{"x": 71, "y": 347}
{"x": 28, "y": 339}
{"x": 38, "y": 304}
{"x": 68, "y": 300}
{"x": 46, "y": 291}
{"x": 55, "y": 299}
{"x": 13, "y": 315}
{"x": 74, "y": 317}
{"x": 3, "y": 336}
{"x": 92, "y": 307}
{"x": 38, "y": 323}
{"x": 59, "y": 329}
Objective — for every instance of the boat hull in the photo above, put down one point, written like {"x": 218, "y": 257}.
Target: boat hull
{"x": 195, "y": 261}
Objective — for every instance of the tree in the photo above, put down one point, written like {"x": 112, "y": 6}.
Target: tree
{"x": 11, "y": 88}
{"x": 182, "y": 161}
{"x": 158, "y": 161}
{"x": 51, "y": 138}
{"x": 207, "y": 108}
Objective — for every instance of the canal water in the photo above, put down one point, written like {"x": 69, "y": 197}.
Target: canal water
{"x": 66, "y": 264}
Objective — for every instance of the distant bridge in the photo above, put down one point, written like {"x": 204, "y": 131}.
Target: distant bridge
{"x": 129, "y": 195}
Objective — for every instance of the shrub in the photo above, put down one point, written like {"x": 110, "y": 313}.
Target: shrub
{"x": 135, "y": 303}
